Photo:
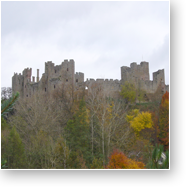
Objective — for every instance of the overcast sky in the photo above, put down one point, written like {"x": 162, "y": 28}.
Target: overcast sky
{"x": 100, "y": 36}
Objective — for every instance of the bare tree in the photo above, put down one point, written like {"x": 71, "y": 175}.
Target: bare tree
{"x": 110, "y": 114}
{"x": 6, "y": 93}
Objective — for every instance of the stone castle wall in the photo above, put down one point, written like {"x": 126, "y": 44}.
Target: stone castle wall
{"x": 65, "y": 74}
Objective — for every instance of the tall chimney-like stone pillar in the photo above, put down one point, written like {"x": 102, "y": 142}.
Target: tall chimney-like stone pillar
{"x": 37, "y": 75}
{"x": 33, "y": 79}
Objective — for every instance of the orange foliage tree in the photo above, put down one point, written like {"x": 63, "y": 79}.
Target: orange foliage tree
{"x": 118, "y": 160}
{"x": 163, "y": 135}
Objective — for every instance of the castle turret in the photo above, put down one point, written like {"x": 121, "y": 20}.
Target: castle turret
{"x": 135, "y": 72}
{"x": 68, "y": 71}
{"x": 27, "y": 73}
{"x": 159, "y": 79}
{"x": 18, "y": 83}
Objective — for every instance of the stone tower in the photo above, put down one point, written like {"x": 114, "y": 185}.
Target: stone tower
{"x": 64, "y": 74}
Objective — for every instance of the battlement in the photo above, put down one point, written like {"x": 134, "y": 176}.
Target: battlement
{"x": 17, "y": 73}
{"x": 102, "y": 80}
{"x": 79, "y": 73}
{"x": 64, "y": 73}
{"x": 68, "y": 61}
{"x": 133, "y": 65}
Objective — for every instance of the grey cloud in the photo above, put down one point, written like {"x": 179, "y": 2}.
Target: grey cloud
{"x": 100, "y": 36}
{"x": 159, "y": 58}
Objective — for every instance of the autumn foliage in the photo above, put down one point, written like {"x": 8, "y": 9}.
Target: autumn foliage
{"x": 118, "y": 160}
{"x": 163, "y": 136}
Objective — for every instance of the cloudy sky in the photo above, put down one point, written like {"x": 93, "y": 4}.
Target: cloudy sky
{"x": 100, "y": 36}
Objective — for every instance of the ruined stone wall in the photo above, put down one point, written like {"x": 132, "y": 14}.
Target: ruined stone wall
{"x": 135, "y": 72}
{"x": 79, "y": 80}
{"x": 64, "y": 74}
{"x": 18, "y": 83}
{"x": 51, "y": 79}
{"x": 139, "y": 76}
{"x": 110, "y": 87}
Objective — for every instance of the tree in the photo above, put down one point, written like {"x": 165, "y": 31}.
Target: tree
{"x": 16, "y": 154}
{"x": 128, "y": 91}
{"x": 139, "y": 121}
{"x": 160, "y": 160}
{"x": 118, "y": 160}
{"x": 62, "y": 153}
{"x": 76, "y": 160}
{"x": 96, "y": 164}
{"x": 107, "y": 121}
{"x": 163, "y": 135}
{"x": 78, "y": 133}
{"x": 5, "y": 131}
{"x": 7, "y": 104}
{"x": 6, "y": 93}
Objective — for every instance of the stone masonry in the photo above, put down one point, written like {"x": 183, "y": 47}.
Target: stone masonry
{"x": 65, "y": 74}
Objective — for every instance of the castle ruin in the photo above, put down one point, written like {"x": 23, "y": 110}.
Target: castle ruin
{"x": 65, "y": 74}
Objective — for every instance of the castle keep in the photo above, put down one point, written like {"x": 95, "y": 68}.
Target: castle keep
{"x": 64, "y": 74}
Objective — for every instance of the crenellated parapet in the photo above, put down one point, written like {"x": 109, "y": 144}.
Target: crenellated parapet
{"x": 135, "y": 72}
{"x": 64, "y": 74}
{"x": 108, "y": 84}
{"x": 139, "y": 76}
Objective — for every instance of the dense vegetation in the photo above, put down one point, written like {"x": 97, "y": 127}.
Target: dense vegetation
{"x": 85, "y": 130}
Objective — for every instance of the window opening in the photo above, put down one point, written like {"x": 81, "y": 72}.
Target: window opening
{"x": 67, "y": 69}
{"x": 66, "y": 80}
{"x": 45, "y": 89}
{"x": 76, "y": 80}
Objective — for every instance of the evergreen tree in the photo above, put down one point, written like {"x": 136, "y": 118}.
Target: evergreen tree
{"x": 16, "y": 155}
{"x": 7, "y": 105}
{"x": 78, "y": 133}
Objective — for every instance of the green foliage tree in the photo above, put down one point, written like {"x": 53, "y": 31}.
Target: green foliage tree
{"x": 5, "y": 131}
{"x": 140, "y": 95}
{"x": 96, "y": 164}
{"x": 128, "y": 91}
{"x": 78, "y": 132}
{"x": 62, "y": 153}
{"x": 15, "y": 151}
{"x": 76, "y": 160}
{"x": 7, "y": 105}
{"x": 160, "y": 160}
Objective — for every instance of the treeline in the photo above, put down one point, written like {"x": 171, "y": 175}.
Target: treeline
{"x": 85, "y": 130}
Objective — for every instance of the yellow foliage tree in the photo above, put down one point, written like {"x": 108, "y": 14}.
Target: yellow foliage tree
{"x": 139, "y": 120}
